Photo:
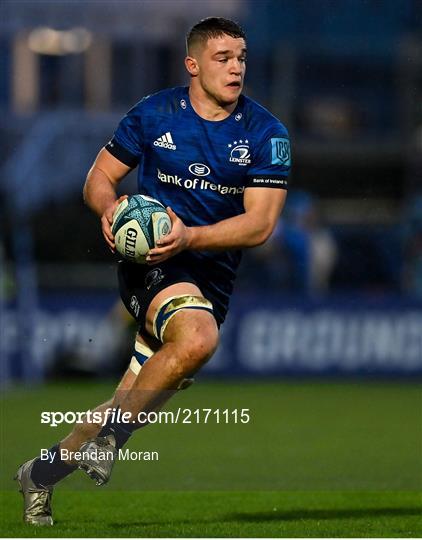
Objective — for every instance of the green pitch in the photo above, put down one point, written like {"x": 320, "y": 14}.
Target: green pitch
{"x": 316, "y": 459}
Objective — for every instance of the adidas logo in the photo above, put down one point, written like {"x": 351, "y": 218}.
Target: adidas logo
{"x": 165, "y": 141}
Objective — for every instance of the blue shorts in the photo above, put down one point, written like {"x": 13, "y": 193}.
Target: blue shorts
{"x": 139, "y": 284}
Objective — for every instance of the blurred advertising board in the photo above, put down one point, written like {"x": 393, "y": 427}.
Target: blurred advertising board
{"x": 263, "y": 335}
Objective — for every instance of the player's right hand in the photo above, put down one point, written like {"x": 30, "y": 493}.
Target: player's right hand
{"x": 107, "y": 220}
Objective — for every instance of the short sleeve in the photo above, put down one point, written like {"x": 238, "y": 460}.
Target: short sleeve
{"x": 271, "y": 160}
{"x": 127, "y": 142}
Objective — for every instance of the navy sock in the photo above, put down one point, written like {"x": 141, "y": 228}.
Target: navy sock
{"x": 47, "y": 473}
{"x": 121, "y": 431}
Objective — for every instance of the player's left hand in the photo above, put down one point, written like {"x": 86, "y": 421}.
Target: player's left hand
{"x": 176, "y": 241}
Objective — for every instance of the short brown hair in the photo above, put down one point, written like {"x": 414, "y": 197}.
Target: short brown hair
{"x": 212, "y": 27}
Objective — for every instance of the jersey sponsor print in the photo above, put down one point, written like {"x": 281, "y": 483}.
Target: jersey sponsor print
{"x": 201, "y": 168}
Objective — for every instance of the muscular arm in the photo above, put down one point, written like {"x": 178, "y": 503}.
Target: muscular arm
{"x": 253, "y": 227}
{"x": 262, "y": 210}
{"x": 100, "y": 189}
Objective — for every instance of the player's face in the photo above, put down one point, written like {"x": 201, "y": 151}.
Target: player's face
{"x": 222, "y": 66}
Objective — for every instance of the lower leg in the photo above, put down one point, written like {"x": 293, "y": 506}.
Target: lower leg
{"x": 48, "y": 473}
{"x": 83, "y": 432}
{"x": 190, "y": 339}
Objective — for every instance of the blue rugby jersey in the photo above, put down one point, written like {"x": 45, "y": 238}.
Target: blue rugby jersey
{"x": 200, "y": 168}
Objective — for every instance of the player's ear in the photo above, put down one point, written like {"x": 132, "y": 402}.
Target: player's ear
{"x": 192, "y": 66}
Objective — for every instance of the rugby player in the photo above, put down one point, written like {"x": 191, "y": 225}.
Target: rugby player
{"x": 219, "y": 162}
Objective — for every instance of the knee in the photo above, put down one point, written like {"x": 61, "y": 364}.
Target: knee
{"x": 202, "y": 346}
{"x": 82, "y": 432}
{"x": 92, "y": 424}
{"x": 195, "y": 350}
{"x": 85, "y": 429}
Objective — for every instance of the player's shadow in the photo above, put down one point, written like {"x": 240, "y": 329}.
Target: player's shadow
{"x": 284, "y": 515}
{"x": 346, "y": 513}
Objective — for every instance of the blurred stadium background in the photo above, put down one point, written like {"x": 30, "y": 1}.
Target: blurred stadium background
{"x": 339, "y": 286}
{"x": 327, "y": 310}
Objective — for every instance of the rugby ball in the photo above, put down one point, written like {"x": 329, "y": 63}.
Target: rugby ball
{"x": 138, "y": 222}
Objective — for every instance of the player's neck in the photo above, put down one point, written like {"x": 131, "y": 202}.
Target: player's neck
{"x": 207, "y": 108}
